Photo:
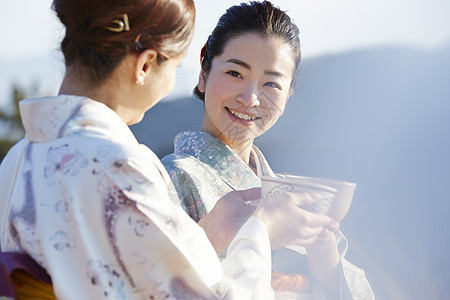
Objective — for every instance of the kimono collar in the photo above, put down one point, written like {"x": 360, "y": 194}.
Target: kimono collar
{"x": 49, "y": 118}
{"x": 219, "y": 156}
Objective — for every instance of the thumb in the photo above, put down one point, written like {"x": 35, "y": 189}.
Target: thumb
{"x": 251, "y": 194}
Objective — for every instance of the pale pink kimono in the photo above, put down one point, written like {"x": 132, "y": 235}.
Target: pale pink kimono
{"x": 97, "y": 210}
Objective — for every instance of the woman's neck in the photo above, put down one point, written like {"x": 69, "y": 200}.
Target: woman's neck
{"x": 242, "y": 148}
{"x": 74, "y": 83}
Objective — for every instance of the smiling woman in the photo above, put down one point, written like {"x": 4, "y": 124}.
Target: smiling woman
{"x": 246, "y": 90}
{"x": 249, "y": 69}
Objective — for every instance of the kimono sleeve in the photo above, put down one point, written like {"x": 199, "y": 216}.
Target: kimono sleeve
{"x": 185, "y": 185}
{"x": 174, "y": 253}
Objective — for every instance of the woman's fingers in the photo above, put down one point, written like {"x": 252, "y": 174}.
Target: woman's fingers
{"x": 301, "y": 199}
{"x": 288, "y": 221}
{"x": 308, "y": 227}
{"x": 309, "y": 232}
{"x": 305, "y": 242}
{"x": 334, "y": 226}
{"x": 250, "y": 197}
{"x": 312, "y": 219}
{"x": 251, "y": 194}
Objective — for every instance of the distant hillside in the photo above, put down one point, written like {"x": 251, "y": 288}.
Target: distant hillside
{"x": 380, "y": 118}
{"x": 161, "y": 123}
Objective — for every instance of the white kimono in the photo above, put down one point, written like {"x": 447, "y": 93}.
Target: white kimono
{"x": 94, "y": 208}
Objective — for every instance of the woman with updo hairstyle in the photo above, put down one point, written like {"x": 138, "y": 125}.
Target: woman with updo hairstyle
{"x": 249, "y": 68}
{"x": 92, "y": 207}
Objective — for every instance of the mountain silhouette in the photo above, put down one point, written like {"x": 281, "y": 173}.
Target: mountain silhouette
{"x": 377, "y": 117}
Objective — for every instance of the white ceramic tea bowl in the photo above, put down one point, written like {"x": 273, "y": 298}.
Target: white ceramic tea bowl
{"x": 335, "y": 195}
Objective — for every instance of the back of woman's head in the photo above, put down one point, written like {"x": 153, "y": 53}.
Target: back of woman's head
{"x": 100, "y": 33}
{"x": 260, "y": 18}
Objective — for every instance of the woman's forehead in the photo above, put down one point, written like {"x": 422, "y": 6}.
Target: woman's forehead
{"x": 256, "y": 51}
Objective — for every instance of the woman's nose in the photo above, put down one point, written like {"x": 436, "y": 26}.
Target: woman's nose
{"x": 249, "y": 96}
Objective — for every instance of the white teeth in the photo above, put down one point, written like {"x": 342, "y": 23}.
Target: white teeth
{"x": 241, "y": 115}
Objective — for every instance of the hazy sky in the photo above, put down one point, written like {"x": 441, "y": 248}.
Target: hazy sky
{"x": 28, "y": 28}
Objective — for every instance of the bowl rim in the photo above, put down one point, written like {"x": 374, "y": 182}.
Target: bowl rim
{"x": 311, "y": 185}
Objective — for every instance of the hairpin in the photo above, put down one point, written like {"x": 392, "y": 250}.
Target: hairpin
{"x": 138, "y": 44}
{"x": 121, "y": 24}
{"x": 202, "y": 53}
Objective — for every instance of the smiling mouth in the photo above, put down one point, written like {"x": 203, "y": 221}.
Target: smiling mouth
{"x": 242, "y": 116}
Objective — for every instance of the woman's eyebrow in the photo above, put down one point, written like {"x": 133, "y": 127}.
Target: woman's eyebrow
{"x": 274, "y": 73}
{"x": 248, "y": 67}
{"x": 239, "y": 62}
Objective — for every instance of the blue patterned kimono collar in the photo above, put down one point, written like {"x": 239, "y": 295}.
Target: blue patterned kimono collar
{"x": 219, "y": 156}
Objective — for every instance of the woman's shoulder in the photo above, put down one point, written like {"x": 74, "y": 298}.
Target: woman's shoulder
{"x": 175, "y": 158}
{"x": 182, "y": 163}
{"x": 187, "y": 171}
{"x": 113, "y": 157}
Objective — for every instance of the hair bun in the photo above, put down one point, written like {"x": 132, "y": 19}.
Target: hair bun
{"x": 99, "y": 33}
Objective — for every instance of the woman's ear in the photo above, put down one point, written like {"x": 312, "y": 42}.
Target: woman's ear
{"x": 202, "y": 81}
{"x": 145, "y": 62}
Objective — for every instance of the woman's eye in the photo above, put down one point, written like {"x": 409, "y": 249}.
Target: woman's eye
{"x": 273, "y": 85}
{"x": 234, "y": 74}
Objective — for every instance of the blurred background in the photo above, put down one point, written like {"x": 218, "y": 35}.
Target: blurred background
{"x": 372, "y": 106}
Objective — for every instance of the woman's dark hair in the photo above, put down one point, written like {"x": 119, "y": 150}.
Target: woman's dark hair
{"x": 260, "y": 18}
{"x": 163, "y": 25}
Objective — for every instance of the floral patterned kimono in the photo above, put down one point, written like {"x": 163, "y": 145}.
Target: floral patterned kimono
{"x": 203, "y": 169}
{"x": 94, "y": 208}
